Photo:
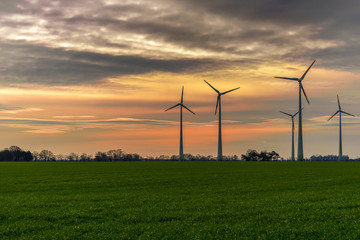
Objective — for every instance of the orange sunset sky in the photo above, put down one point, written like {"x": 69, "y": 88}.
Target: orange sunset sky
{"x": 93, "y": 75}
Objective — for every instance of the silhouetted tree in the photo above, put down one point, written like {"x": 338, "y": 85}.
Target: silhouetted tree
{"x": 28, "y": 156}
{"x": 60, "y": 157}
{"x": 85, "y": 157}
{"x": 101, "y": 156}
{"x": 73, "y": 157}
{"x": 231, "y": 158}
{"x": 15, "y": 153}
{"x": 46, "y": 155}
{"x": 163, "y": 157}
{"x": 188, "y": 157}
{"x": 36, "y": 155}
{"x": 115, "y": 155}
{"x": 253, "y": 155}
{"x": 268, "y": 156}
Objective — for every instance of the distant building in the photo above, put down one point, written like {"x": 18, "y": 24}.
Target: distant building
{"x": 315, "y": 158}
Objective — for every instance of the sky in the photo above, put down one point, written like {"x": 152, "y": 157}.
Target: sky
{"x": 94, "y": 75}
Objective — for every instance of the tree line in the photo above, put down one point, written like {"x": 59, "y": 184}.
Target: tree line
{"x": 15, "y": 153}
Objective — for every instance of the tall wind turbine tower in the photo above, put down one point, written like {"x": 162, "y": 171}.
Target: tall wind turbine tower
{"x": 292, "y": 133}
{"x": 181, "y": 150}
{"x": 300, "y": 136}
{"x": 340, "y": 133}
{"x": 218, "y": 104}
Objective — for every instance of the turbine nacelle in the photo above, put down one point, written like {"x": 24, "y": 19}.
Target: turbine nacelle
{"x": 291, "y": 115}
{"x": 340, "y": 111}
{"x": 300, "y": 80}
{"x": 181, "y": 103}
{"x": 219, "y": 94}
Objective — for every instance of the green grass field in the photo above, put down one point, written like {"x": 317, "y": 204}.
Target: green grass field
{"x": 180, "y": 200}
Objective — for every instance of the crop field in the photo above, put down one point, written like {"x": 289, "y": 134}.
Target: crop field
{"x": 180, "y": 200}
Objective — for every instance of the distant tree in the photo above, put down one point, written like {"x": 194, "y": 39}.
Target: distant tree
{"x": 73, "y": 157}
{"x": 60, "y": 157}
{"x": 46, "y": 155}
{"x": 28, "y": 156}
{"x": 253, "y": 155}
{"x": 101, "y": 157}
{"x": 15, "y": 149}
{"x": 115, "y": 155}
{"x": 136, "y": 157}
{"x": 15, "y": 152}
{"x": 188, "y": 157}
{"x": 85, "y": 157}
{"x": 232, "y": 158}
{"x": 36, "y": 155}
{"x": 163, "y": 157}
{"x": 5, "y": 155}
{"x": 199, "y": 157}
{"x": 268, "y": 156}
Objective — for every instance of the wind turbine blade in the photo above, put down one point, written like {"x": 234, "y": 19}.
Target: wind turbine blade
{"x": 188, "y": 109}
{"x": 338, "y": 102}
{"x": 172, "y": 107}
{"x": 304, "y": 93}
{"x": 229, "y": 91}
{"x": 307, "y": 71}
{"x": 286, "y": 113}
{"x": 182, "y": 95}
{"x": 297, "y": 112}
{"x": 295, "y": 79}
{"x": 347, "y": 113}
{"x": 212, "y": 87}
{"x": 217, "y": 104}
{"x": 333, "y": 115}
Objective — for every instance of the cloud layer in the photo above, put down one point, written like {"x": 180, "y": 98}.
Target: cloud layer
{"x": 66, "y": 42}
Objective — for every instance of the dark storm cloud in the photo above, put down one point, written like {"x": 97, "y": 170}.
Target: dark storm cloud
{"x": 335, "y": 19}
{"x": 280, "y": 11}
{"x": 344, "y": 57}
{"x": 7, "y": 6}
{"x": 226, "y": 31}
{"x": 184, "y": 28}
{"x": 35, "y": 64}
{"x": 216, "y": 27}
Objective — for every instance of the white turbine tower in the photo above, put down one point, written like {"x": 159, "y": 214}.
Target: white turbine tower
{"x": 292, "y": 133}
{"x": 218, "y": 104}
{"x": 300, "y": 137}
{"x": 340, "y": 134}
{"x": 181, "y": 151}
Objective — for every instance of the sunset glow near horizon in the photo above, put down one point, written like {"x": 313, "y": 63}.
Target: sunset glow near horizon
{"x": 94, "y": 75}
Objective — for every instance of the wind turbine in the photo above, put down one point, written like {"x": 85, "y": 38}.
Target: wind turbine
{"x": 292, "y": 133}
{"x": 218, "y": 104}
{"x": 181, "y": 152}
{"x": 340, "y": 137}
{"x": 300, "y": 137}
